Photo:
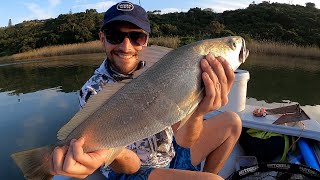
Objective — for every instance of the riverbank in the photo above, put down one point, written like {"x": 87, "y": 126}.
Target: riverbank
{"x": 255, "y": 47}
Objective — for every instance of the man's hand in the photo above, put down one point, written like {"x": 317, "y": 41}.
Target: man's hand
{"x": 218, "y": 78}
{"x": 72, "y": 161}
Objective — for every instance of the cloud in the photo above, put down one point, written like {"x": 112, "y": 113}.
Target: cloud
{"x": 38, "y": 12}
{"x": 54, "y": 3}
{"x": 220, "y": 6}
{"x": 169, "y": 10}
{"x": 81, "y": 1}
{"x": 294, "y": 2}
{"x": 100, "y": 6}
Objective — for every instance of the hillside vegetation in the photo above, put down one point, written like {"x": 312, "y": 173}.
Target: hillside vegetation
{"x": 265, "y": 22}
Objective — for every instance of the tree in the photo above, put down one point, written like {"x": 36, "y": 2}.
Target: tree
{"x": 310, "y": 5}
{"x": 252, "y": 4}
{"x": 91, "y": 11}
{"x": 215, "y": 27}
{"x": 169, "y": 29}
{"x": 208, "y": 9}
{"x": 156, "y": 12}
{"x": 9, "y": 23}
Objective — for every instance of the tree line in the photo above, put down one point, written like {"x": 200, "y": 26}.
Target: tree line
{"x": 265, "y": 21}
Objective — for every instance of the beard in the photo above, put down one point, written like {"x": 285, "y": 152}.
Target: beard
{"x": 124, "y": 63}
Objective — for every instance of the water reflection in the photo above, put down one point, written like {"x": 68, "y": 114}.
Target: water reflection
{"x": 69, "y": 74}
{"x": 31, "y": 120}
{"x": 36, "y": 100}
{"x": 274, "y": 79}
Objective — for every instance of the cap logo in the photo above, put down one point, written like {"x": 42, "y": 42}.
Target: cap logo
{"x": 125, "y": 6}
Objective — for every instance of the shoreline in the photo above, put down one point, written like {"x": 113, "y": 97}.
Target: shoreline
{"x": 93, "y": 47}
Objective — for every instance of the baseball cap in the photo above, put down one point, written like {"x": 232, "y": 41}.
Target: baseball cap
{"x": 127, "y": 11}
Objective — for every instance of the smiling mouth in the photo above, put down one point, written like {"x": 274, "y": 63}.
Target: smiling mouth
{"x": 124, "y": 55}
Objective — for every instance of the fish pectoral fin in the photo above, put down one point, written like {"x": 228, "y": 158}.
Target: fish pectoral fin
{"x": 93, "y": 104}
{"x": 193, "y": 106}
{"x": 114, "y": 152}
{"x": 187, "y": 117}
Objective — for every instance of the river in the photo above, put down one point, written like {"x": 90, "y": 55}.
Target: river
{"x": 38, "y": 97}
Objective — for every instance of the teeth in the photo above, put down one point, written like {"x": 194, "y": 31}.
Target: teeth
{"x": 125, "y": 56}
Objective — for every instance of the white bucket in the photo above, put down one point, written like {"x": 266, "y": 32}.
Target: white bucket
{"x": 238, "y": 92}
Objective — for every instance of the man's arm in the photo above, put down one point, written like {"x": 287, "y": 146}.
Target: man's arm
{"x": 218, "y": 78}
{"x": 127, "y": 162}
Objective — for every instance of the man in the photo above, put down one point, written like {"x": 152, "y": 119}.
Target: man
{"x": 124, "y": 32}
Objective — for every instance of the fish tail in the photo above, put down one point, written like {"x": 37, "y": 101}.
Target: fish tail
{"x": 34, "y": 163}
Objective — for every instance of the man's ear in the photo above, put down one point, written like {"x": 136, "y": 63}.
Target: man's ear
{"x": 146, "y": 44}
{"x": 101, "y": 36}
{"x": 102, "y": 39}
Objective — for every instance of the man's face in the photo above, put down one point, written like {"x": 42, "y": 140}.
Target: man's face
{"x": 123, "y": 56}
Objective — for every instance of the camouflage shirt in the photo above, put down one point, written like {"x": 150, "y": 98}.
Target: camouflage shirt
{"x": 154, "y": 151}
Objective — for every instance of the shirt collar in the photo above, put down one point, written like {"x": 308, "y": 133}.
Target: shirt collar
{"x": 115, "y": 74}
{"x": 106, "y": 68}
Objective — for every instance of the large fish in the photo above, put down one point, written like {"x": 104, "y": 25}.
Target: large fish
{"x": 123, "y": 113}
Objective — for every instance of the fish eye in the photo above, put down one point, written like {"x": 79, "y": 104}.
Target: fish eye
{"x": 233, "y": 44}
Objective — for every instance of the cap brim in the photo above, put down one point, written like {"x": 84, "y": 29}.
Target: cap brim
{"x": 130, "y": 19}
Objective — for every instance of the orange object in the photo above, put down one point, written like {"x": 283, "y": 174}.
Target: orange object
{"x": 259, "y": 112}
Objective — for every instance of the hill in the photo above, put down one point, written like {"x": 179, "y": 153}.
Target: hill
{"x": 276, "y": 22}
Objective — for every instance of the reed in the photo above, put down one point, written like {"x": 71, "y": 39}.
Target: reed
{"x": 59, "y": 50}
{"x": 283, "y": 49}
{"x": 255, "y": 47}
{"x": 170, "y": 42}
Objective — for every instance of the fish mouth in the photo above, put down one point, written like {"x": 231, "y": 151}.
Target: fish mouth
{"x": 244, "y": 52}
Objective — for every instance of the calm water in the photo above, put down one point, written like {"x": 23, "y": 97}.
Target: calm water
{"x": 37, "y": 98}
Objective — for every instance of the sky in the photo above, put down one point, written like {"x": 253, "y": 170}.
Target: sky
{"x": 20, "y": 10}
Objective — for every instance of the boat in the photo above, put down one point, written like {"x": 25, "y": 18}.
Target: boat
{"x": 287, "y": 119}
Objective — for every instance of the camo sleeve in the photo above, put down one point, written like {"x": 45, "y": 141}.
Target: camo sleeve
{"x": 92, "y": 87}
{"x": 154, "y": 151}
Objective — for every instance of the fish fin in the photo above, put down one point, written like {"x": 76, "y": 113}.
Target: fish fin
{"x": 114, "y": 152}
{"x": 93, "y": 104}
{"x": 34, "y": 163}
{"x": 193, "y": 106}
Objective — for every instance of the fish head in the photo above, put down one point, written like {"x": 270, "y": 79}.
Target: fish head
{"x": 232, "y": 49}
